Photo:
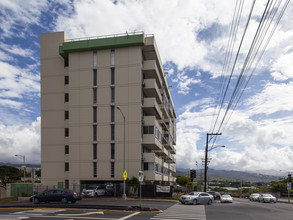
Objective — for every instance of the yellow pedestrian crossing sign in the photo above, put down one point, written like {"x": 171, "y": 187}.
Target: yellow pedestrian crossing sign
{"x": 125, "y": 175}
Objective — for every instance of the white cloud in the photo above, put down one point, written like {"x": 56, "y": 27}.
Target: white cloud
{"x": 18, "y": 15}
{"x": 17, "y": 50}
{"x": 282, "y": 69}
{"x": 16, "y": 82}
{"x": 23, "y": 139}
{"x": 273, "y": 98}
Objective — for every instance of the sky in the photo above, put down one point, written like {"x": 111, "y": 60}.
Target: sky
{"x": 192, "y": 37}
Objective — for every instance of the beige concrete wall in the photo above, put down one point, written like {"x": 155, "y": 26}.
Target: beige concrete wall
{"x": 128, "y": 88}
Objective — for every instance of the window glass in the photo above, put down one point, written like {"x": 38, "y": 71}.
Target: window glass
{"x": 66, "y": 166}
{"x": 112, "y": 95}
{"x": 112, "y": 57}
{"x": 66, "y": 115}
{"x": 95, "y": 58}
{"x": 94, "y": 114}
{"x": 112, "y": 76}
{"x": 95, "y": 77}
{"x": 112, "y": 169}
{"x": 95, "y": 151}
{"x": 95, "y": 132}
{"x": 95, "y": 169}
{"x": 112, "y": 113}
{"x": 95, "y": 95}
{"x": 66, "y": 97}
{"x": 66, "y": 132}
{"x": 112, "y": 132}
{"x": 66, "y": 80}
{"x": 66, "y": 149}
{"x": 112, "y": 151}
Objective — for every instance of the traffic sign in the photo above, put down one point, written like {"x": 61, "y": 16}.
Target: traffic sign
{"x": 125, "y": 175}
{"x": 140, "y": 176}
{"x": 289, "y": 186}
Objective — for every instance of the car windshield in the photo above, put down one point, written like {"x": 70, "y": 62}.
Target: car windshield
{"x": 194, "y": 193}
{"x": 226, "y": 196}
{"x": 267, "y": 195}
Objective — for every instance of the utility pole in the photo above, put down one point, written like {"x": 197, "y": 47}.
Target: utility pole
{"x": 206, "y": 159}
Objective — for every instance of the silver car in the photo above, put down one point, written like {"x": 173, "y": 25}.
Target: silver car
{"x": 254, "y": 197}
{"x": 197, "y": 198}
{"x": 267, "y": 198}
{"x": 226, "y": 198}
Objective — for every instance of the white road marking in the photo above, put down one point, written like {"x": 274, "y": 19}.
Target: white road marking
{"x": 82, "y": 214}
{"x": 129, "y": 216}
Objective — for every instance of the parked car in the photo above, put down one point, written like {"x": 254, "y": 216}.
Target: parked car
{"x": 267, "y": 198}
{"x": 88, "y": 192}
{"x": 226, "y": 198}
{"x": 197, "y": 198}
{"x": 94, "y": 191}
{"x": 56, "y": 195}
{"x": 254, "y": 197}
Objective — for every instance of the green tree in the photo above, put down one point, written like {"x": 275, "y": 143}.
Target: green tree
{"x": 7, "y": 173}
{"x": 279, "y": 186}
{"x": 132, "y": 181}
{"x": 182, "y": 180}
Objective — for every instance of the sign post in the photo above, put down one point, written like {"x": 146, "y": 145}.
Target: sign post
{"x": 140, "y": 178}
{"x": 289, "y": 187}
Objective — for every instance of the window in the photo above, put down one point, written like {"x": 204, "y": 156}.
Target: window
{"x": 95, "y": 75}
{"x": 66, "y": 132}
{"x": 66, "y": 184}
{"x": 148, "y": 129}
{"x": 112, "y": 95}
{"x": 95, "y": 58}
{"x": 112, "y": 169}
{"x": 95, "y": 152}
{"x": 66, "y": 149}
{"x": 112, "y": 57}
{"x": 66, "y": 115}
{"x": 112, "y": 113}
{"x": 94, "y": 114}
{"x": 66, "y": 80}
{"x": 112, "y": 151}
{"x": 95, "y": 169}
{"x": 112, "y": 76}
{"x": 95, "y": 132}
{"x": 95, "y": 95}
{"x": 112, "y": 132}
{"x": 66, "y": 166}
{"x": 66, "y": 97}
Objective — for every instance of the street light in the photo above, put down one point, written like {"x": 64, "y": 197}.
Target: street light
{"x": 206, "y": 158}
{"x": 124, "y": 194}
{"x": 17, "y": 155}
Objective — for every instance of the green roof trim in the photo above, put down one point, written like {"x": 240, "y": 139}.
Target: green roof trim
{"x": 100, "y": 44}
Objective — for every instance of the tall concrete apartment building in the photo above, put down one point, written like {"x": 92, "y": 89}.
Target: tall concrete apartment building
{"x": 83, "y": 81}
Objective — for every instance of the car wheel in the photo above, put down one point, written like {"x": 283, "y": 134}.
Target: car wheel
{"x": 64, "y": 200}
{"x": 36, "y": 201}
{"x": 195, "y": 202}
{"x": 210, "y": 202}
{"x": 73, "y": 201}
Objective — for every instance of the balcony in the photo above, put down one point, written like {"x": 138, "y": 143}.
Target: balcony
{"x": 152, "y": 175}
{"x": 152, "y": 142}
{"x": 151, "y": 71}
{"x": 151, "y": 158}
{"x": 172, "y": 178}
{"x": 162, "y": 153}
{"x": 170, "y": 158}
{"x": 151, "y": 107}
{"x": 151, "y": 89}
{"x": 172, "y": 169}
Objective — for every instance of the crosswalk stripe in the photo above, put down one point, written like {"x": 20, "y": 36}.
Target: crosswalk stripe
{"x": 179, "y": 211}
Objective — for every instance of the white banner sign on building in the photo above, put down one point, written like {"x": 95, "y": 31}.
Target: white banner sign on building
{"x": 163, "y": 189}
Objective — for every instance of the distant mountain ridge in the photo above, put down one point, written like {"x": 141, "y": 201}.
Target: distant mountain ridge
{"x": 230, "y": 175}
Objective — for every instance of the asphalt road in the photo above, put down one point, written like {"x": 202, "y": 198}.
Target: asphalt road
{"x": 240, "y": 209}
{"x": 243, "y": 209}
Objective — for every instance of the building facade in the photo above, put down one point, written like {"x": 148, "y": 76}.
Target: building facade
{"x": 83, "y": 81}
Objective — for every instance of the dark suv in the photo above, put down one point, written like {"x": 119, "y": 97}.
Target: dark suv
{"x": 56, "y": 195}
